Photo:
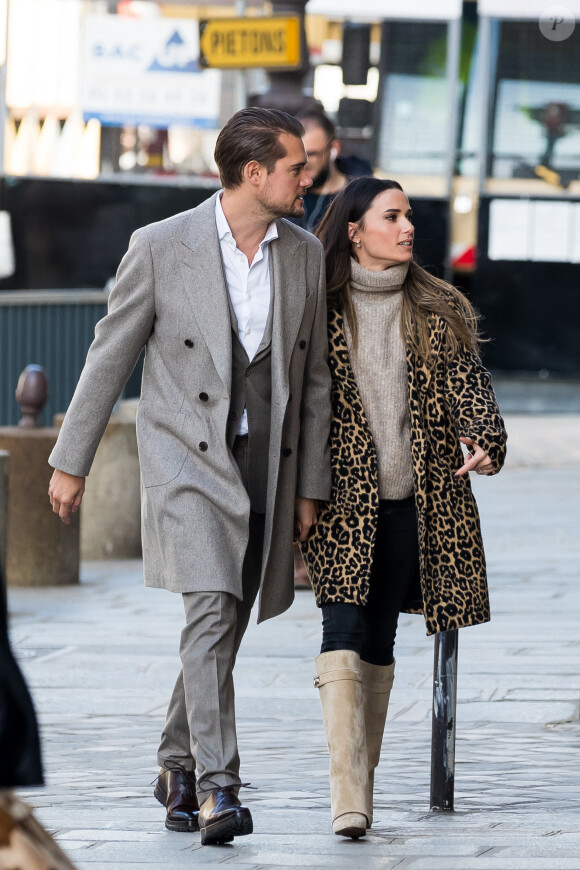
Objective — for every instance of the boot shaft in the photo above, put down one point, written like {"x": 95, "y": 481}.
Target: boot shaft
{"x": 341, "y": 697}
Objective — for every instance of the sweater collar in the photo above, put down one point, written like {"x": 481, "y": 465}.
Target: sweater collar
{"x": 389, "y": 279}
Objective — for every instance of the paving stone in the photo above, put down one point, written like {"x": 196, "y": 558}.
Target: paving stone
{"x": 101, "y": 659}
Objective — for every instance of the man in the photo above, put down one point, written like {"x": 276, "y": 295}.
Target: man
{"x": 233, "y": 425}
{"x": 330, "y": 172}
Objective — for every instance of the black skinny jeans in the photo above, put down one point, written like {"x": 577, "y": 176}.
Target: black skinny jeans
{"x": 371, "y": 630}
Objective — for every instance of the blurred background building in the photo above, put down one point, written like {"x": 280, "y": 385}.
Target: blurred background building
{"x": 110, "y": 111}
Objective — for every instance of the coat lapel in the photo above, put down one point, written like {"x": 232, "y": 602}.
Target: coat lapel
{"x": 287, "y": 266}
{"x": 206, "y": 287}
{"x": 421, "y": 370}
{"x": 342, "y": 368}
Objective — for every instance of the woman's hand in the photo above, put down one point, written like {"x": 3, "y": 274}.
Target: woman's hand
{"x": 477, "y": 459}
{"x": 304, "y": 517}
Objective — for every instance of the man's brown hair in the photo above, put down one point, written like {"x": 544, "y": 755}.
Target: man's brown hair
{"x": 252, "y": 134}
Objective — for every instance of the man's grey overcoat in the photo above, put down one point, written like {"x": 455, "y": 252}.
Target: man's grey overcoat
{"x": 171, "y": 297}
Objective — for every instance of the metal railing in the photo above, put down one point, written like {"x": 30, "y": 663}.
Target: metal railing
{"x": 52, "y": 328}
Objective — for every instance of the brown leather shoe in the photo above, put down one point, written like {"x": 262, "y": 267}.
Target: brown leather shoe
{"x": 175, "y": 789}
{"x": 222, "y": 817}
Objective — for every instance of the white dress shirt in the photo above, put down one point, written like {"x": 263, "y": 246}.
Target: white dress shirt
{"x": 248, "y": 286}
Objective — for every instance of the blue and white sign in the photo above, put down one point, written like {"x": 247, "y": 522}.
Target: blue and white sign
{"x": 147, "y": 72}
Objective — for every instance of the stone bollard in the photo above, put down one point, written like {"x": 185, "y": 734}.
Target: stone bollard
{"x": 4, "y": 465}
{"x": 111, "y": 509}
{"x": 40, "y": 551}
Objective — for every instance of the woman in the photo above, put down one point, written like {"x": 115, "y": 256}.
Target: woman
{"x": 401, "y": 530}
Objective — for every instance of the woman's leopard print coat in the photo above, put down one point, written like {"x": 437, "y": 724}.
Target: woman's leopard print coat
{"x": 449, "y": 398}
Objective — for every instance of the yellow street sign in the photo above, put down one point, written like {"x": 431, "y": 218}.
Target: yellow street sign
{"x": 231, "y": 43}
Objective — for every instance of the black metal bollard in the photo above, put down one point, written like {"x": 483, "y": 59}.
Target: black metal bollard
{"x": 444, "y": 719}
{"x": 31, "y": 394}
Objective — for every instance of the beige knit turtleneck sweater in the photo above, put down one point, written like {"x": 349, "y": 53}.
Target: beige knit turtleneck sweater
{"x": 380, "y": 370}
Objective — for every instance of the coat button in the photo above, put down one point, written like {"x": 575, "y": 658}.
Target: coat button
{"x": 203, "y": 446}
{"x": 203, "y": 397}
{"x": 188, "y": 342}
{"x": 287, "y": 451}
{"x": 302, "y": 344}
{"x": 248, "y": 372}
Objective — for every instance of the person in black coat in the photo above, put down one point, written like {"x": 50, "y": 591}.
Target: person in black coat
{"x": 23, "y": 840}
{"x": 20, "y": 760}
{"x": 329, "y": 169}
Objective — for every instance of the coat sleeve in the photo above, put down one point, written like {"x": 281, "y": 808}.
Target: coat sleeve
{"x": 119, "y": 339}
{"x": 313, "y": 479}
{"x": 473, "y": 405}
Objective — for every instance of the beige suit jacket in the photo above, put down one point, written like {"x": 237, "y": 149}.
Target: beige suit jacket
{"x": 170, "y": 297}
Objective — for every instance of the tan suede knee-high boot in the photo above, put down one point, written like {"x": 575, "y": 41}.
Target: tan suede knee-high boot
{"x": 339, "y": 681}
{"x": 377, "y": 681}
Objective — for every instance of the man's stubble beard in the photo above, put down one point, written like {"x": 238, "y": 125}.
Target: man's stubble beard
{"x": 273, "y": 210}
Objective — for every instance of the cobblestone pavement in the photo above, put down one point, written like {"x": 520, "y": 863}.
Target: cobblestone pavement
{"x": 101, "y": 660}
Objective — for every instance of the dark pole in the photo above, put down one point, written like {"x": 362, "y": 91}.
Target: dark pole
{"x": 444, "y": 719}
{"x": 287, "y": 86}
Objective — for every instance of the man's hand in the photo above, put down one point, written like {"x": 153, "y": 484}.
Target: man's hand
{"x": 304, "y": 517}
{"x": 66, "y": 493}
{"x": 476, "y": 460}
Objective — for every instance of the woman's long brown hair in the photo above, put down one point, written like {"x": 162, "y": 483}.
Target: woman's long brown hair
{"x": 423, "y": 294}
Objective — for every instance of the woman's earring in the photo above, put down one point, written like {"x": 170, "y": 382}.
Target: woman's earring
{"x": 357, "y": 243}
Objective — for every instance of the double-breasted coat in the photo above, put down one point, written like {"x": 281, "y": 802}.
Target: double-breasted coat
{"x": 448, "y": 397}
{"x": 171, "y": 298}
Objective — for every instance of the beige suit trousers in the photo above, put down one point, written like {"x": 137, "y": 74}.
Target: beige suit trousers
{"x": 200, "y": 728}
